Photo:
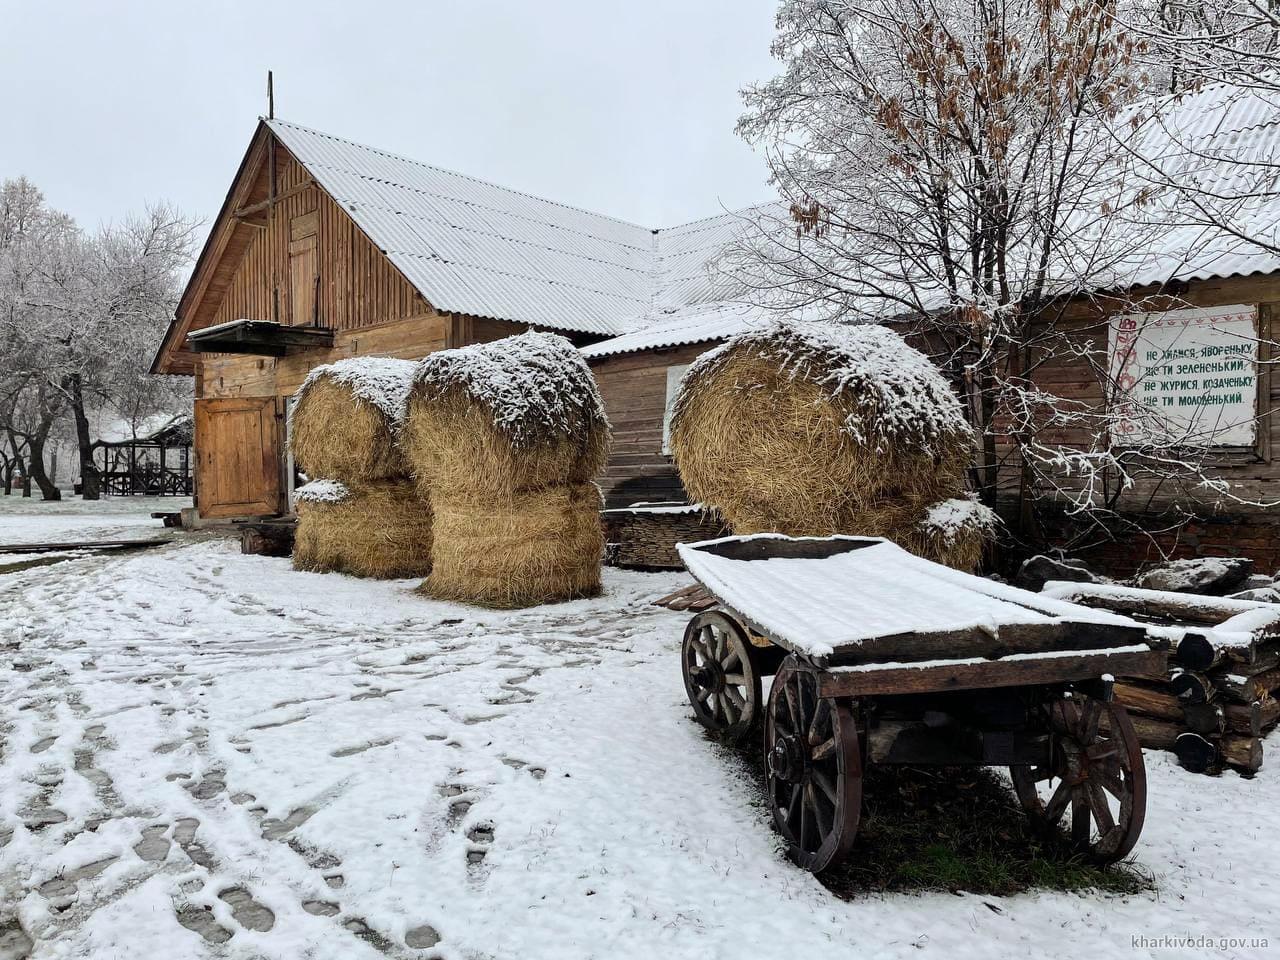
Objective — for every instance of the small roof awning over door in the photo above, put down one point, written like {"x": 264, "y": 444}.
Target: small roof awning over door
{"x": 261, "y": 337}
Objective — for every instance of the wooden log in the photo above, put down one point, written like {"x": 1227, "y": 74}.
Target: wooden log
{"x": 267, "y": 539}
{"x": 1192, "y": 687}
{"x": 1243, "y": 753}
{"x": 973, "y": 675}
{"x": 1201, "y": 754}
{"x": 1149, "y": 700}
{"x": 1247, "y": 688}
{"x": 1248, "y": 718}
{"x": 1195, "y": 652}
{"x": 1195, "y": 752}
{"x": 1154, "y": 733}
{"x": 1206, "y": 718}
{"x": 1156, "y": 604}
{"x": 1268, "y": 712}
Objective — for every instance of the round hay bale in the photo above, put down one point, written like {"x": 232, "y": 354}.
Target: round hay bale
{"x": 504, "y": 417}
{"x": 815, "y": 429}
{"x": 379, "y": 529}
{"x": 530, "y": 548}
{"x": 953, "y": 532}
{"x": 345, "y": 422}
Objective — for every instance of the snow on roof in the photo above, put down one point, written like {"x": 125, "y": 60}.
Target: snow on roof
{"x": 1221, "y": 140}
{"x": 121, "y": 430}
{"x": 696, "y": 323}
{"x": 531, "y": 384}
{"x": 381, "y": 381}
{"x": 488, "y": 251}
{"x": 816, "y": 605}
{"x": 891, "y": 391}
{"x": 477, "y": 248}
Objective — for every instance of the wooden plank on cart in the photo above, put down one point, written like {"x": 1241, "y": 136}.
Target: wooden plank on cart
{"x": 883, "y": 679}
{"x": 989, "y": 643}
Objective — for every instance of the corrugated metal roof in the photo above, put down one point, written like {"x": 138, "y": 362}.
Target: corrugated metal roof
{"x": 696, "y": 323}
{"x": 476, "y": 248}
{"x": 1208, "y": 160}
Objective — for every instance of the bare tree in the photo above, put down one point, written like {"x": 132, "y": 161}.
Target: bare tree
{"x": 952, "y": 165}
{"x": 80, "y": 315}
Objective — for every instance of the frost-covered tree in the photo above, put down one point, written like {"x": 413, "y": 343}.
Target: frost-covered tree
{"x": 961, "y": 167}
{"x": 79, "y": 316}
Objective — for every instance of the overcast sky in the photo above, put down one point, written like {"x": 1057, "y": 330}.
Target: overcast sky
{"x": 623, "y": 108}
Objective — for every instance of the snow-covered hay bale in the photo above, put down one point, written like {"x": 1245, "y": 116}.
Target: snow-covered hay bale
{"x": 953, "y": 532}
{"x": 814, "y": 429}
{"x": 380, "y": 529}
{"x": 346, "y": 419}
{"x": 529, "y": 548}
{"x": 512, "y": 415}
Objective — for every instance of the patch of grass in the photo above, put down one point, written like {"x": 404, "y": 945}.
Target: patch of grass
{"x": 953, "y": 829}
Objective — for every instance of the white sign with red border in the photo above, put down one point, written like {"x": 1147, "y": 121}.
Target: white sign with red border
{"x": 1186, "y": 377}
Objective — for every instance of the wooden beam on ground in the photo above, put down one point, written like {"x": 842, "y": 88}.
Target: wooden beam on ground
{"x": 98, "y": 545}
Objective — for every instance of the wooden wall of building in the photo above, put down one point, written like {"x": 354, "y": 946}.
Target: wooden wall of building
{"x": 232, "y": 375}
{"x": 634, "y": 388}
{"x": 1252, "y": 472}
{"x": 357, "y": 286}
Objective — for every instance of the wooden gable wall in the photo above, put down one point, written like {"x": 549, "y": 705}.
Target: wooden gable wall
{"x": 357, "y": 286}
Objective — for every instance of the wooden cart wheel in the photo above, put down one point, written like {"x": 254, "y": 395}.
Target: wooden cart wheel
{"x": 814, "y": 769}
{"x": 720, "y": 677}
{"x": 1096, "y": 774}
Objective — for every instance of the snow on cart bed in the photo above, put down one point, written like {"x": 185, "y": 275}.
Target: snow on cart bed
{"x": 814, "y": 606}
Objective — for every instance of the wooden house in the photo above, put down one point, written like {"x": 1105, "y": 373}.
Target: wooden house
{"x": 325, "y": 249}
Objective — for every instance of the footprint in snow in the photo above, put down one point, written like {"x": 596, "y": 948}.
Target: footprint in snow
{"x": 154, "y": 845}
{"x": 246, "y": 911}
{"x": 200, "y": 919}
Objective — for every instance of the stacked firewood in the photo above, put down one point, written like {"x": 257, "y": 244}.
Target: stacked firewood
{"x": 1222, "y": 694}
{"x": 644, "y": 535}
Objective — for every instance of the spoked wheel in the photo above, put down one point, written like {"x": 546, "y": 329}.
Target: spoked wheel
{"x": 1096, "y": 777}
{"x": 722, "y": 682}
{"x": 814, "y": 769}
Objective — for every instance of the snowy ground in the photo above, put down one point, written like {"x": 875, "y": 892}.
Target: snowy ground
{"x": 204, "y": 754}
{"x": 31, "y": 520}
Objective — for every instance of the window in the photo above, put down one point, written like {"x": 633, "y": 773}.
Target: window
{"x": 673, "y": 385}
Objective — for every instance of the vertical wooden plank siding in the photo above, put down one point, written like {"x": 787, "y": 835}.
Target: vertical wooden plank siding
{"x": 634, "y": 389}
{"x": 358, "y": 285}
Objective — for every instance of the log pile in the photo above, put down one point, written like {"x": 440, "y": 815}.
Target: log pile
{"x": 644, "y": 535}
{"x": 1222, "y": 695}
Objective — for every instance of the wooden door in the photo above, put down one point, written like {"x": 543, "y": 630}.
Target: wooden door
{"x": 237, "y": 446}
{"x": 304, "y": 268}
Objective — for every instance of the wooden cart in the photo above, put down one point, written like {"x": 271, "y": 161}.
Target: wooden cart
{"x": 879, "y": 656}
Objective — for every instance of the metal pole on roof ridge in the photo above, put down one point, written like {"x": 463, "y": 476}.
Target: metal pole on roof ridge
{"x": 271, "y": 98}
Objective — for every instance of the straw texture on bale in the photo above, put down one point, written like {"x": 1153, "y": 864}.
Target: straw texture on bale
{"x": 345, "y": 422}
{"x": 521, "y": 550}
{"x": 815, "y": 429}
{"x": 953, "y": 532}
{"x": 378, "y": 529}
{"x": 505, "y": 417}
